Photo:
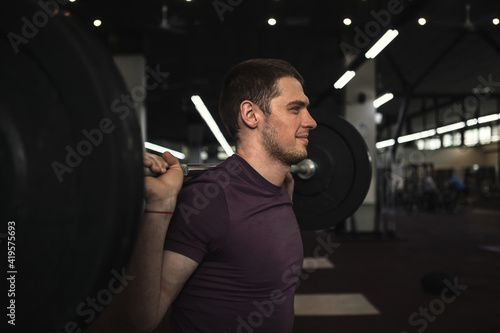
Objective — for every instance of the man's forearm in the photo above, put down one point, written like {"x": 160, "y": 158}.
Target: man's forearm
{"x": 143, "y": 297}
{"x": 142, "y": 304}
{"x": 137, "y": 308}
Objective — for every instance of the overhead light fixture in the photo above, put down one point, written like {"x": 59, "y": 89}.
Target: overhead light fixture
{"x": 496, "y": 21}
{"x": 381, "y": 43}
{"x": 347, "y": 21}
{"x": 344, "y": 79}
{"x": 451, "y": 127}
{"x": 161, "y": 150}
{"x": 487, "y": 119}
{"x": 416, "y": 136}
{"x": 422, "y": 21}
{"x": 205, "y": 114}
{"x": 272, "y": 21}
{"x": 382, "y": 100}
{"x": 472, "y": 122}
{"x": 439, "y": 130}
{"x": 384, "y": 144}
{"x": 97, "y": 23}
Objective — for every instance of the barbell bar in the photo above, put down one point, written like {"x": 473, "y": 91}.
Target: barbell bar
{"x": 304, "y": 169}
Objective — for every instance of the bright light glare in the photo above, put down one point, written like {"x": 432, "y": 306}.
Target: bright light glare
{"x": 205, "y": 114}
{"x": 472, "y": 122}
{"x": 97, "y": 23}
{"x": 347, "y": 21}
{"x": 161, "y": 150}
{"x": 487, "y": 119}
{"x": 449, "y": 128}
{"x": 496, "y": 21}
{"x": 382, "y": 100}
{"x": 344, "y": 79}
{"x": 471, "y": 135}
{"x": 381, "y": 43}
{"x": 271, "y": 21}
{"x": 422, "y": 21}
{"x": 416, "y": 136}
{"x": 385, "y": 143}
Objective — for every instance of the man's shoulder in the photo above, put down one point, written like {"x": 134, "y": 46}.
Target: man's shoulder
{"x": 223, "y": 174}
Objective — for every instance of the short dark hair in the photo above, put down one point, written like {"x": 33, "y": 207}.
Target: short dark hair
{"x": 255, "y": 80}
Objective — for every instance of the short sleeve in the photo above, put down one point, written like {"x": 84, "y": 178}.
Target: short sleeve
{"x": 199, "y": 225}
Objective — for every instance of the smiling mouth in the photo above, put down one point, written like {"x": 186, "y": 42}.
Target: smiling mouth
{"x": 303, "y": 138}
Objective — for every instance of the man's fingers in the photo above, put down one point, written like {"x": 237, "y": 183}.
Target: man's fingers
{"x": 156, "y": 163}
{"x": 147, "y": 160}
{"x": 160, "y": 164}
{"x": 170, "y": 159}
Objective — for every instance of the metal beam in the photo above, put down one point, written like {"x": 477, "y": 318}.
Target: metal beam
{"x": 488, "y": 39}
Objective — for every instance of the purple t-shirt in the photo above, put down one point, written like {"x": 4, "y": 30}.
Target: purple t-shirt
{"x": 242, "y": 231}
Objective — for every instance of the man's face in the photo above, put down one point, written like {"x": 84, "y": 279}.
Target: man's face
{"x": 286, "y": 129}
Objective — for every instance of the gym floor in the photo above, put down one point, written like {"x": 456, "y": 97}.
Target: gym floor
{"x": 378, "y": 280}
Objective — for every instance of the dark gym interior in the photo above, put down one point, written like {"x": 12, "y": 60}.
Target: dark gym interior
{"x": 418, "y": 249}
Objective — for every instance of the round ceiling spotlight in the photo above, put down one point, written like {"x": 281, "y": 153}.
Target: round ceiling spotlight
{"x": 347, "y": 21}
{"x": 272, "y": 21}
{"x": 422, "y": 21}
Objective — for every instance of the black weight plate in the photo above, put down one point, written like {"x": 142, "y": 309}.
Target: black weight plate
{"x": 71, "y": 231}
{"x": 342, "y": 179}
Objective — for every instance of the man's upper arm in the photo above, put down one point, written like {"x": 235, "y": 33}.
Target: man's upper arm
{"x": 176, "y": 270}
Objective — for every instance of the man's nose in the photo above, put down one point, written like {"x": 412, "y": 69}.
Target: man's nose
{"x": 309, "y": 121}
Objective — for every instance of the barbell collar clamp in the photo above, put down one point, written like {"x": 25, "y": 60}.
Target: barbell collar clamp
{"x": 305, "y": 169}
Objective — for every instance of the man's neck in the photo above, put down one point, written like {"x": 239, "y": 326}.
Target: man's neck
{"x": 273, "y": 171}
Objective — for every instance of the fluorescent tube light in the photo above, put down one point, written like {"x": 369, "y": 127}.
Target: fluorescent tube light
{"x": 385, "y": 143}
{"x": 408, "y": 138}
{"x": 382, "y": 100}
{"x": 344, "y": 79}
{"x": 161, "y": 150}
{"x": 205, "y": 114}
{"x": 381, "y": 43}
{"x": 440, "y": 130}
{"x": 451, "y": 127}
{"x": 488, "y": 118}
{"x": 472, "y": 122}
{"x": 416, "y": 136}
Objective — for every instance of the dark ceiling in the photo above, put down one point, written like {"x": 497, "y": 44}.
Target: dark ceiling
{"x": 440, "y": 61}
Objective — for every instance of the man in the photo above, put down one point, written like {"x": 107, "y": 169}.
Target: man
{"x": 233, "y": 251}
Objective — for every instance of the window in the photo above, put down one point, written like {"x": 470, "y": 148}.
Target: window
{"x": 471, "y": 137}
{"x": 447, "y": 140}
{"x": 485, "y": 135}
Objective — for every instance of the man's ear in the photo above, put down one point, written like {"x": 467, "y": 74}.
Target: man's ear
{"x": 249, "y": 113}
